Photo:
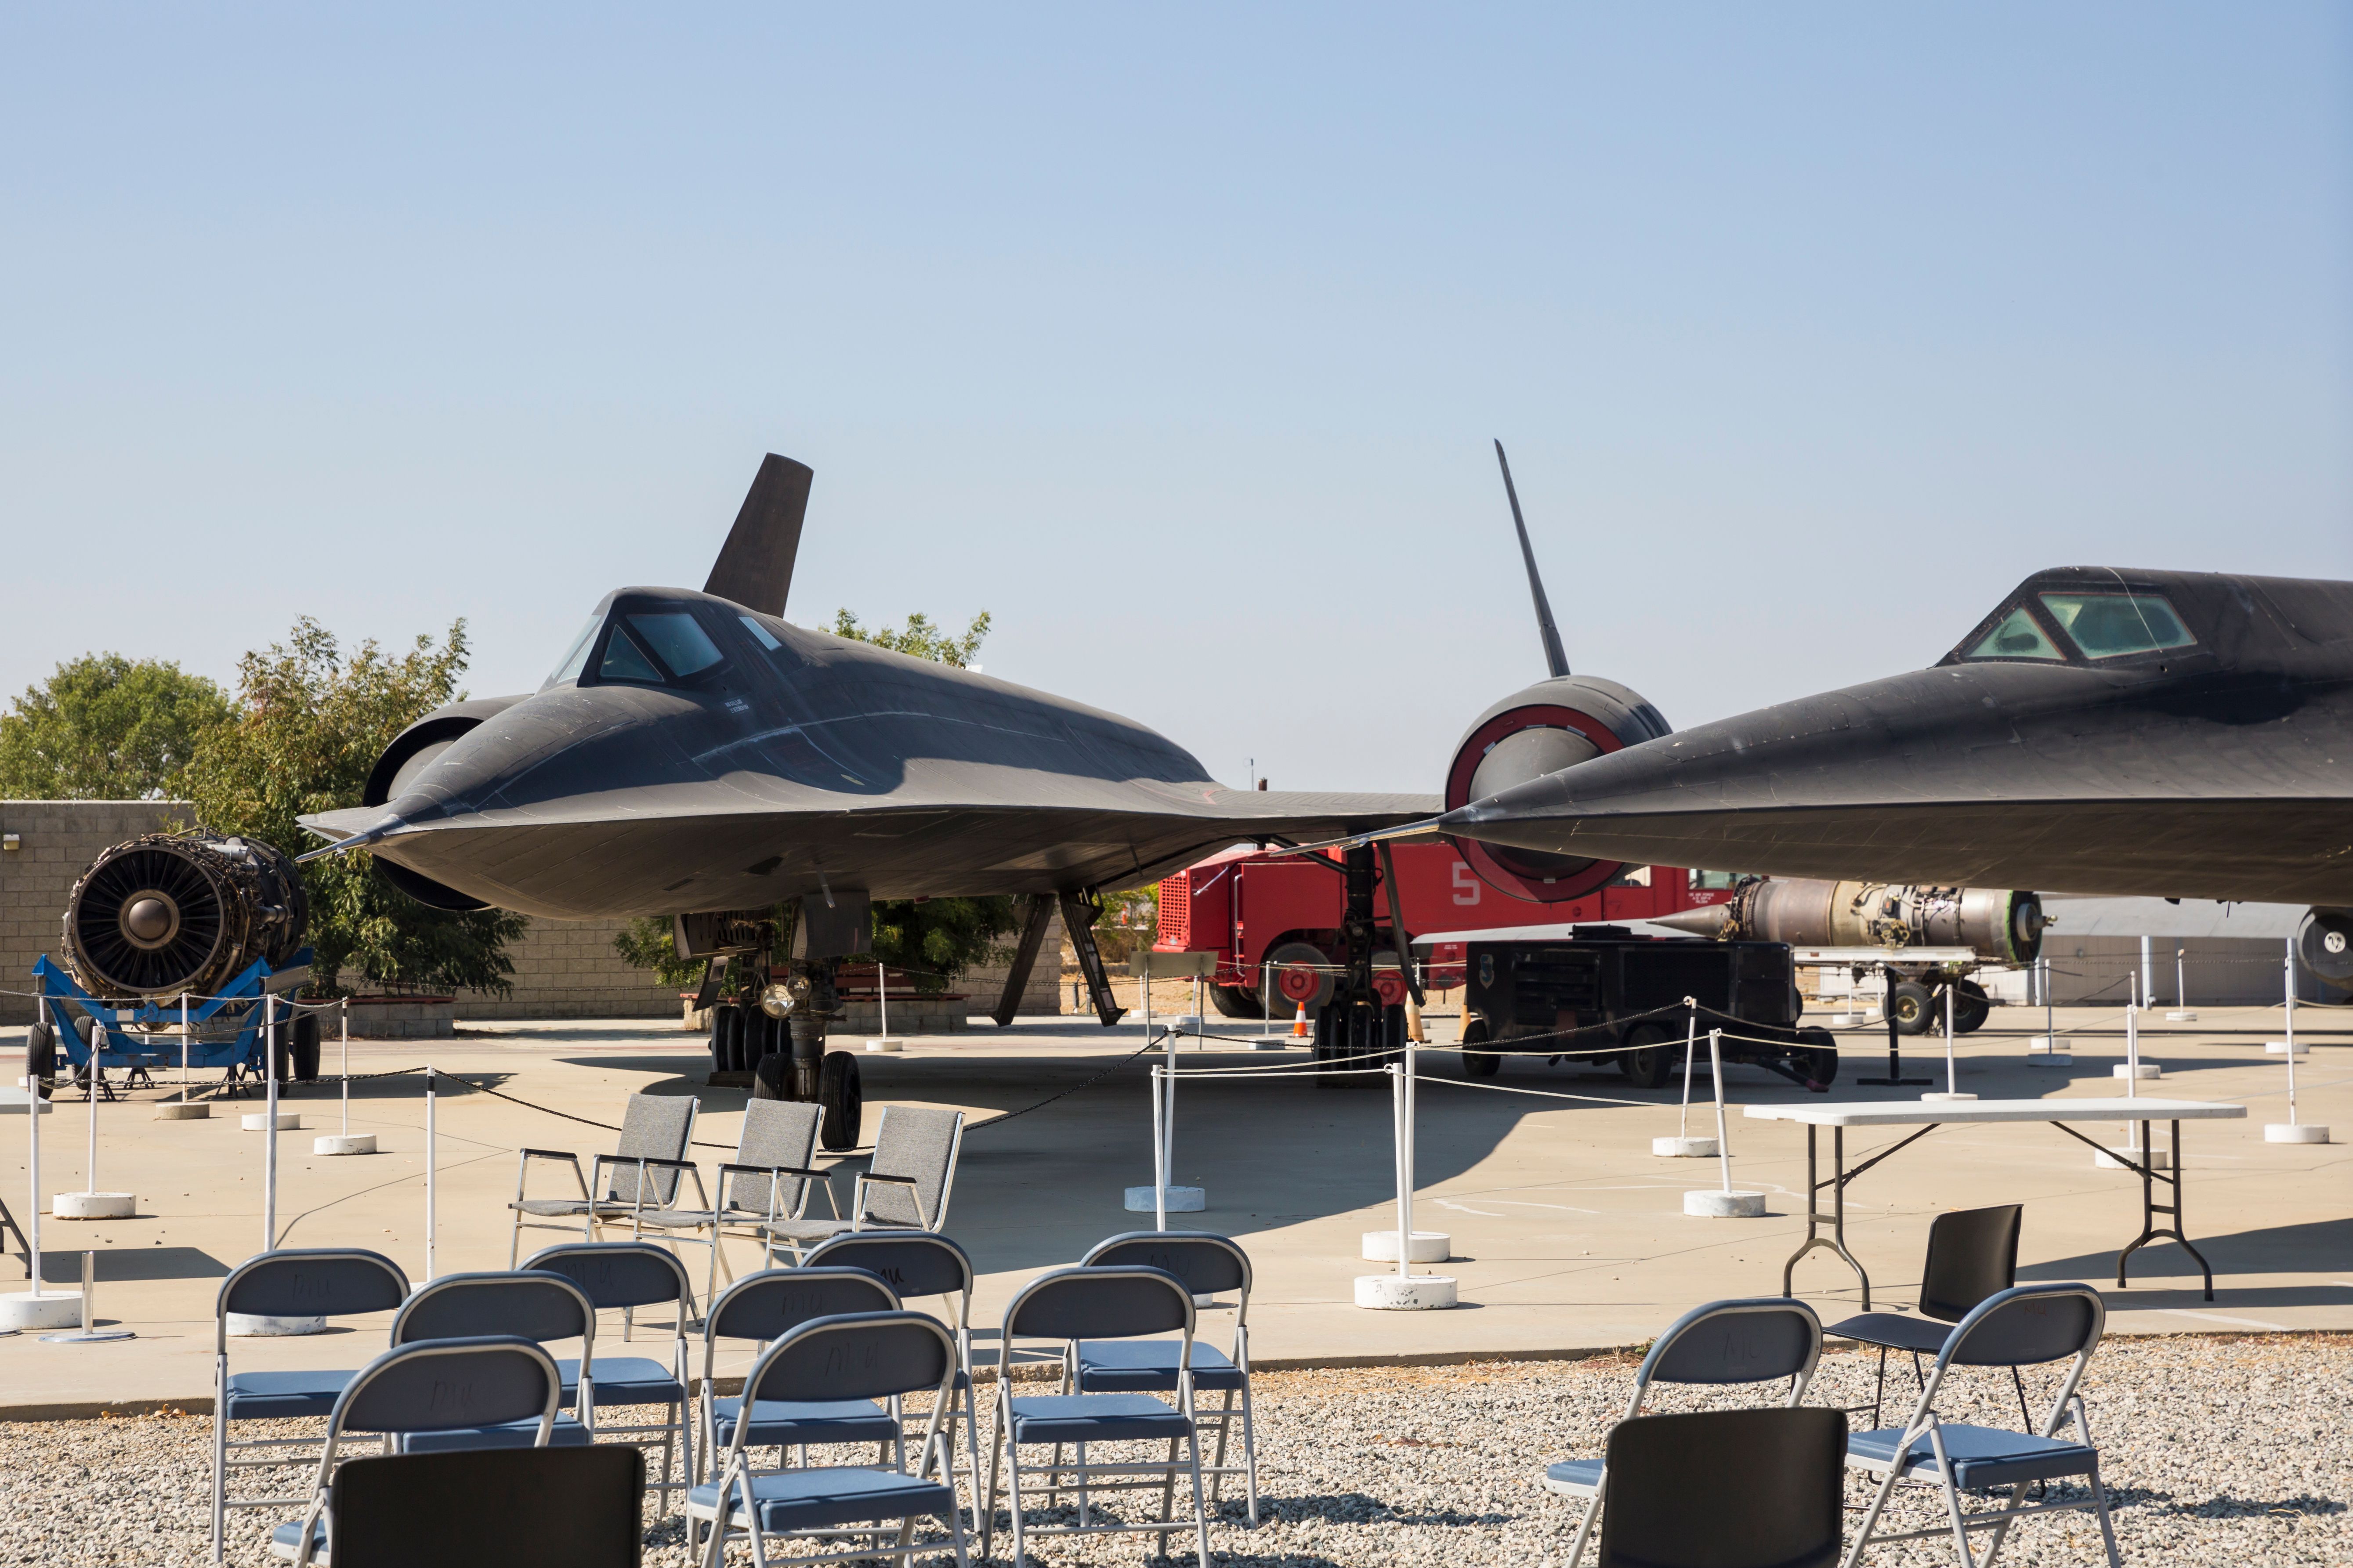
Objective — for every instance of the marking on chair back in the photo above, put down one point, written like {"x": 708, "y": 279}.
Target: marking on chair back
{"x": 1972, "y": 1254}
{"x": 653, "y": 1127}
{"x": 2028, "y": 1325}
{"x": 538, "y": 1305}
{"x": 1205, "y": 1262}
{"x": 774, "y": 1303}
{"x": 1748, "y": 1340}
{"x": 859, "y": 1355}
{"x": 922, "y": 1265}
{"x": 1100, "y": 1303}
{"x": 776, "y": 1132}
{"x": 618, "y": 1273}
{"x": 441, "y": 1384}
{"x": 920, "y": 1143}
{"x": 309, "y": 1282}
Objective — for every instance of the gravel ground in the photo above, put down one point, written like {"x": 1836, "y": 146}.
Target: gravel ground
{"x": 2217, "y": 1451}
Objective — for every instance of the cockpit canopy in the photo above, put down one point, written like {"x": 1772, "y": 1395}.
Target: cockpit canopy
{"x": 638, "y": 638}
{"x": 2073, "y": 618}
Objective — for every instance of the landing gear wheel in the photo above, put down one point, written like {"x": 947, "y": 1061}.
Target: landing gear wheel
{"x": 1911, "y": 1006}
{"x": 1236, "y": 1002}
{"x": 1479, "y": 1064}
{"x": 845, "y": 1107}
{"x": 1817, "y": 1057}
{"x": 1645, "y": 1060}
{"x": 1972, "y": 1006}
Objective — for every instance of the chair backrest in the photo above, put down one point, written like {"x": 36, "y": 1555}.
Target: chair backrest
{"x": 776, "y": 1132}
{"x": 774, "y": 1302}
{"x": 619, "y": 1274}
{"x": 1972, "y": 1254}
{"x": 653, "y": 1127}
{"x": 1205, "y": 1262}
{"x": 309, "y": 1282}
{"x": 1725, "y": 1489}
{"x": 919, "y": 1143}
{"x": 1102, "y": 1302}
{"x": 491, "y": 1507}
{"x": 1751, "y": 1340}
{"x": 538, "y": 1304}
{"x": 858, "y": 1355}
{"x": 2026, "y": 1326}
{"x": 920, "y": 1264}
{"x": 436, "y": 1386}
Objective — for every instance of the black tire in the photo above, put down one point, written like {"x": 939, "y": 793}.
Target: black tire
{"x": 1236, "y": 1002}
{"x": 41, "y": 1057}
{"x": 845, "y": 1106}
{"x": 1972, "y": 1006}
{"x": 1393, "y": 1028}
{"x": 306, "y": 1048}
{"x": 1479, "y": 1064}
{"x": 772, "y": 1080}
{"x": 1913, "y": 1007}
{"x": 1646, "y": 1060}
{"x": 719, "y": 1011}
{"x": 1817, "y": 1056}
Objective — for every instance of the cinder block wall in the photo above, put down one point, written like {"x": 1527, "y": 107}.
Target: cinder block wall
{"x": 568, "y": 969}
{"x": 56, "y": 840}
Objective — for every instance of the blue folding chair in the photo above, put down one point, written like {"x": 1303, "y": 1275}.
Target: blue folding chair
{"x": 531, "y": 1304}
{"x": 2029, "y": 1325}
{"x": 1209, "y": 1265}
{"x": 415, "y": 1392}
{"x": 1070, "y": 1306}
{"x": 917, "y": 1264}
{"x": 308, "y": 1282}
{"x": 766, "y": 1306}
{"x": 855, "y": 1358}
{"x": 1758, "y": 1339}
{"x": 624, "y": 1276}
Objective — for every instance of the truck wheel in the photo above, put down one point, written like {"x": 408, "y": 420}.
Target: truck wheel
{"x": 41, "y": 1059}
{"x": 845, "y": 1107}
{"x": 1316, "y": 960}
{"x": 1972, "y": 1006}
{"x": 1646, "y": 1061}
{"x": 1817, "y": 1056}
{"x": 1914, "y": 1007}
{"x": 1479, "y": 1064}
{"x": 1236, "y": 1002}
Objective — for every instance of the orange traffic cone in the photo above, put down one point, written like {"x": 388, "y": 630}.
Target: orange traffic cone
{"x": 1299, "y": 1029}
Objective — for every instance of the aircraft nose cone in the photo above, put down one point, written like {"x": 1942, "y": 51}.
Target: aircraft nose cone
{"x": 148, "y": 919}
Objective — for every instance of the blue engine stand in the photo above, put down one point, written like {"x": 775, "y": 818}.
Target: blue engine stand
{"x": 224, "y": 1031}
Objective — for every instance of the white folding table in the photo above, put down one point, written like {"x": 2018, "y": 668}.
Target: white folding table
{"x": 1929, "y": 1115}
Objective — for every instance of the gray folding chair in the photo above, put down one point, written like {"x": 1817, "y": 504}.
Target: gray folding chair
{"x": 1068, "y": 1306}
{"x": 309, "y": 1282}
{"x": 623, "y": 1276}
{"x": 916, "y": 1265}
{"x": 765, "y": 1307}
{"x": 1209, "y": 1264}
{"x": 537, "y": 1305}
{"x": 1760, "y": 1339}
{"x": 852, "y": 1358}
{"x": 1972, "y": 1254}
{"x": 646, "y": 1163}
{"x": 769, "y": 1181}
{"x": 580, "y": 1507}
{"x": 2029, "y": 1325}
{"x": 906, "y": 1185}
{"x": 422, "y": 1390}
{"x": 1727, "y": 1489}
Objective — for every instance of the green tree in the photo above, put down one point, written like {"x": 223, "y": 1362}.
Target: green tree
{"x": 1130, "y": 923}
{"x": 309, "y": 727}
{"x": 107, "y": 728}
{"x": 918, "y": 637}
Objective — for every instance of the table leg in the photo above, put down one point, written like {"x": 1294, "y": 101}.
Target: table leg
{"x": 2150, "y": 1208}
{"x": 1836, "y": 1242}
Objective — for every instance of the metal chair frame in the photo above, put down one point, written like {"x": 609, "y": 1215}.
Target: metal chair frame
{"x": 595, "y": 1211}
{"x": 2068, "y": 1406}
{"x": 714, "y": 1329}
{"x": 1945, "y": 1312}
{"x": 265, "y": 1263}
{"x": 677, "y": 1432}
{"x": 861, "y": 1216}
{"x": 495, "y": 1280}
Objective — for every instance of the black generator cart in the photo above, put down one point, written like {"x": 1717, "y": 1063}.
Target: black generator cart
{"x": 1613, "y": 985}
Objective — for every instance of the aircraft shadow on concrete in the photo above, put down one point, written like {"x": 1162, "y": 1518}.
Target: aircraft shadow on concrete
{"x": 132, "y": 1263}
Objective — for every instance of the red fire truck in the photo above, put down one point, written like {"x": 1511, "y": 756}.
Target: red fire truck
{"x": 1252, "y": 909}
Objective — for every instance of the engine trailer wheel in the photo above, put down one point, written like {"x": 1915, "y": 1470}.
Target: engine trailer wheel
{"x": 1479, "y": 1064}
{"x": 306, "y": 1048}
{"x": 1972, "y": 1006}
{"x": 1817, "y": 1056}
{"x": 1646, "y": 1061}
{"x": 1236, "y": 1002}
{"x": 845, "y": 1107}
{"x": 1911, "y": 1006}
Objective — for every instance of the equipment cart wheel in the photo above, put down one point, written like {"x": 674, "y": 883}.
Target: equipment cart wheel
{"x": 1646, "y": 1061}
{"x": 1914, "y": 1007}
{"x": 845, "y": 1107}
{"x": 1479, "y": 1064}
{"x": 1972, "y": 1006}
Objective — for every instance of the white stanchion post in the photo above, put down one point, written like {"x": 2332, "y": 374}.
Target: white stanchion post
{"x": 1405, "y": 1290}
{"x": 883, "y": 997}
{"x": 89, "y": 1162}
{"x": 35, "y": 1307}
{"x": 1952, "y": 1065}
{"x": 1159, "y": 1154}
{"x": 90, "y": 1203}
{"x": 183, "y": 1046}
{"x": 1266, "y": 997}
{"x": 2294, "y": 1130}
{"x": 1724, "y": 1203}
{"x": 432, "y": 1148}
{"x": 269, "y": 1127}
{"x": 2147, "y": 975}
{"x": 1683, "y": 1145}
{"x": 344, "y": 1009}
{"x": 346, "y": 1141}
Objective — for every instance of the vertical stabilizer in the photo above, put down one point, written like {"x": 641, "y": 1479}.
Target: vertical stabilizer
{"x": 1555, "y": 657}
{"x": 755, "y": 565}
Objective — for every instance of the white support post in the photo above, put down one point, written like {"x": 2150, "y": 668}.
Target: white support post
{"x": 35, "y": 1307}
{"x": 432, "y": 1148}
{"x": 1164, "y": 1195}
{"x": 90, "y": 1203}
{"x": 2294, "y": 1130}
{"x": 1405, "y": 1290}
{"x": 1723, "y": 1202}
{"x": 1952, "y": 1066}
{"x": 1683, "y": 1145}
{"x": 346, "y": 1141}
{"x": 882, "y": 996}
{"x": 1159, "y": 1154}
{"x": 184, "y": 1046}
{"x": 269, "y": 1127}
{"x": 344, "y": 1013}
{"x": 2147, "y": 975}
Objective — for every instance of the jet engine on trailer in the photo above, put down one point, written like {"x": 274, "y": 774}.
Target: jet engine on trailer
{"x": 168, "y": 913}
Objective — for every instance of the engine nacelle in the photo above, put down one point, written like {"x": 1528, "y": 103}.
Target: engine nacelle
{"x": 2325, "y": 945}
{"x": 1999, "y": 926}
{"x": 412, "y": 750}
{"x": 172, "y": 912}
{"x": 1551, "y": 725}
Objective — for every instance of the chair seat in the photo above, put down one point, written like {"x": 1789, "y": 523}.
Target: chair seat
{"x": 275, "y": 1396}
{"x": 286, "y": 1541}
{"x": 1574, "y": 1478}
{"x": 623, "y": 1380}
{"x": 662, "y": 1219}
{"x": 776, "y": 1421}
{"x": 1138, "y": 1367}
{"x": 553, "y": 1208}
{"x": 1095, "y": 1418}
{"x": 817, "y": 1498}
{"x": 805, "y": 1230}
{"x": 1981, "y": 1456}
{"x": 568, "y": 1434}
{"x": 1893, "y": 1331}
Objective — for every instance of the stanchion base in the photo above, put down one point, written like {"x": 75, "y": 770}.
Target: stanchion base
{"x": 288, "y": 1121}
{"x": 1181, "y": 1200}
{"x": 1946, "y": 1097}
{"x": 1428, "y": 1246}
{"x": 2295, "y": 1133}
{"x": 2279, "y": 1048}
{"x": 2148, "y": 1070}
{"x": 2155, "y": 1159}
{"x": 39, "y": 1309}
{"x": 183, "y": 1110}
{"x": 93, "y": 1205}
{"x": 891, "y": 1047}
{"x": 88, "y": 1337}
{"x": 1684, "y": 1148}
{"x": 344, "y": 1143}
{"x": 1405, "y": 1293}
{"x": 257, "y": 1325}
{"x": 2183, "y": 1015}
{"x": 1713, "y": 1204}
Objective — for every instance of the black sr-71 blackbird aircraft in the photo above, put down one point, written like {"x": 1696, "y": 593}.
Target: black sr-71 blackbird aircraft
{"x": 694, "y": 755}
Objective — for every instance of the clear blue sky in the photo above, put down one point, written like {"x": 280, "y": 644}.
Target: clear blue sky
{"x": 1174, "y": 336}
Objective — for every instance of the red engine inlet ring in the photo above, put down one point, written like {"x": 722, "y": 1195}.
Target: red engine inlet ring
{"x": 1492, "y": 871}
